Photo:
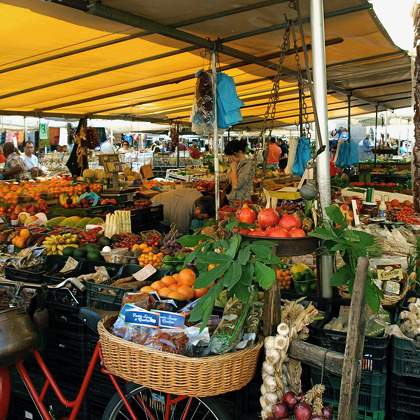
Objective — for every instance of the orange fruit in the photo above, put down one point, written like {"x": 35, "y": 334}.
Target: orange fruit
{"x": 157, "y": 285}
{"x": 175, "y": 276}
{"x": 146, "y": 289}
{"x": 168, "y": 280}
{"x": 186, "y": 277}
{"x": 176, "y": 296}
{"x": 164, "y": 292}
{"x": 186, "y": 291}
{"x": 200, "y": 292}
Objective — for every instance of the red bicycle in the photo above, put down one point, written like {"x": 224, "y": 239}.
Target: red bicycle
{"x": 18, "y": 337}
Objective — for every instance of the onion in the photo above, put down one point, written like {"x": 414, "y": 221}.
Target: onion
{"x": 302, "y": 411}
{"x": 280, "y": 411}
{"x": 327, "y": 412}
{"x": 290, "y": 399}
{"x": 317, "y": 417}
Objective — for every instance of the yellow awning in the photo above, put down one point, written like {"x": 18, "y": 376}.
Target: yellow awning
{"x": 70, "y": 61}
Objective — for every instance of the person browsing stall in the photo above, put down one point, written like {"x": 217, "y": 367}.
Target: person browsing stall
{"x": 241, "y": 172}
{"x": 30, "y": 160}
{"x": 273, "y": 154}
{"x": 14, "y": 168}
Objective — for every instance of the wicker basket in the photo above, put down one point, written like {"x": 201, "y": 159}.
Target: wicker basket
{"x": 175, "y": 374}
{"x": 386, "y": 300}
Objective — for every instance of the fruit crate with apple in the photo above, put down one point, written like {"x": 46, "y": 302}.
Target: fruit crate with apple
{"x": 372, "y": 393}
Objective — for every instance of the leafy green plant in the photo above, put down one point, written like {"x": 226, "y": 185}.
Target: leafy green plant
{"x": 232, "y": 264}
{"x": 336, "y": 237}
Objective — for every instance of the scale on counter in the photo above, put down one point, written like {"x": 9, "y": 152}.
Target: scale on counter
{"x": 113, "y": 166}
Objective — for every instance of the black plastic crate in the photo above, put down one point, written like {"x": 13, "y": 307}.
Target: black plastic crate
{"x": 405, "y": 397}
{"x": 372, "y": 393}
{"x": 375, "y": 349}
{"x": 405, "y": 357}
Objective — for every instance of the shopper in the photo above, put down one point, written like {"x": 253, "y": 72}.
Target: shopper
{"x": 241, "y": 172}
{"x": 284, "y": 154}
{"x": 178, "y": 207}
{"x": 125, "y": 147}
{"x": 2, "y": 157}
{"x": 14, "y": 168}
{"x": 204, "y": 209}
{"x": 273, "y": 154}
{"x": 30, "y": 160}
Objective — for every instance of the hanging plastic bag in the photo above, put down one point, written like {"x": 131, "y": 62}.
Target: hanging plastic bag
{"x": 348, "y": 155}
{"x": 228, "y": 102}
{"x": 303, "y": 155}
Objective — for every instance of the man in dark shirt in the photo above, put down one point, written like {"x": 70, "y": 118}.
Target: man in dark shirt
{"x": 284, "y": 154}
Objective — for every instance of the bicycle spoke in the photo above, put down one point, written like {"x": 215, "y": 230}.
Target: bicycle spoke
{"x": 195, "y": 412}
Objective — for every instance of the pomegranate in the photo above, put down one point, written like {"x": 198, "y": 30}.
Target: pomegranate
{"x": 297, "y": 233}
{"x": 327, "y": 412}
{"x": 290, "y": 221}
{"x": 290, "y": 399}
{"x": 268, "y": 217}
{"x": 257, "y": 232}
{"x": 244, "y": 231}
{"x": 246, "y": 215}
{"x": 280, "y": 411}
{"x": 302, "y": 411}
{"x": 277, "y": 232}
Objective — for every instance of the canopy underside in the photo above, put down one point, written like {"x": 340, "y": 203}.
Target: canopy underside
{"x": 119, "y": 60}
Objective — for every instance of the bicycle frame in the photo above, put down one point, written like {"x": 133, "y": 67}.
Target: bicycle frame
{"x": 75, "y": 405}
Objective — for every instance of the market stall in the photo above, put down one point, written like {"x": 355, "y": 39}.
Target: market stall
{"x": 187, "y": 315}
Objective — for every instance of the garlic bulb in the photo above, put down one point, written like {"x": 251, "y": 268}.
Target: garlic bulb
{"x": 281, "y": 343}
{"x": 273, "y": 356}
{"x": 263, "y": 402}
{"x": 269, "y": 384}
{"x": 283, "y": 330}
{"x": 271, "y": 398}
{"x": 268, "y": 368}
{"x": 263, "y": 389}
{"x": 269, "y": 342}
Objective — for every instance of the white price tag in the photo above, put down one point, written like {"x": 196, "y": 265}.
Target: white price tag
{"x": 145, "y": 273}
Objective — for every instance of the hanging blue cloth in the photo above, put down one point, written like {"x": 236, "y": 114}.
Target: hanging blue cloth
{"x": 303, "y": 155}
{"x": 348, "y": 155}
{"x": 228, "y": 102}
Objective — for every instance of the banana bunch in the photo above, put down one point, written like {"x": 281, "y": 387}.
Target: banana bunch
{"x": 55, "y": 244}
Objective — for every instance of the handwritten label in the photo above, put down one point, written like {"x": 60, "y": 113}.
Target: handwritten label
{"x": 170, "y": 320}
{"x": 145, "y": 273}
{"x": 390, "y": 272}
{"x": 142, "y": 318}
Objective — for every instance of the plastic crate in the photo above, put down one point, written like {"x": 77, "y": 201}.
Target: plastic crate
{"x": 362, "y": 414}
{"x": 405, "y": 357}
{"x": 375, "y": 349}
{"x": 372, "y": 393}
{"x": 405, "y": 397}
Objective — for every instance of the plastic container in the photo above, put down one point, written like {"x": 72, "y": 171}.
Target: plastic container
{"x": 375, "y": 349}
{"x": 405, "y": 398}
{"x": 372, "y": 393}
{"x": 405, "y": 357}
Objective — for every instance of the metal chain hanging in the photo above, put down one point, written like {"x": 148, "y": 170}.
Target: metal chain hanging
{"x": 306, "y": 129}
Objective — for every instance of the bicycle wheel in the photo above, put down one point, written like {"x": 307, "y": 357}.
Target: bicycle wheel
{"x": 151, "y": 405}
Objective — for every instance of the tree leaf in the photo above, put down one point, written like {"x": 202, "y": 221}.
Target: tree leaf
{"x": 335, "y": 215}
{"x": 265, "y": 275}
{"x": 372, "y": 296}
{"x": 242, "y": 288}
{"x": 192, "y": 240}
{"x": 326, "y": 233}
{"x": 205, "y": 278}
{"x": 341, "y": 276}
{"x": 234, "y": 244}
{"x": 232, "y": 275}
{"x": 204, "y": 307}
{"x": 243, "y": 255}
{"x": 213, "y": 258}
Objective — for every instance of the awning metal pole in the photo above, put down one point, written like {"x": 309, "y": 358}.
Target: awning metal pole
{"x": 320, "y": 93}
{"x": 376, "y": 133}
{"x": 349, "y": 115}
{"x": 215, "y": 137}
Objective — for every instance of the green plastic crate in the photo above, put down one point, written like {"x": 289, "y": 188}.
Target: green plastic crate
{"x": 405, "y": 358}
{"x": 372, "y": 393}
{"x": 363, "y": 414}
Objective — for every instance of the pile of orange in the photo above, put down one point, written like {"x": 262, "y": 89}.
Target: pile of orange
{"x": 151, "y": 258}
{"x": 179, "y": 286}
